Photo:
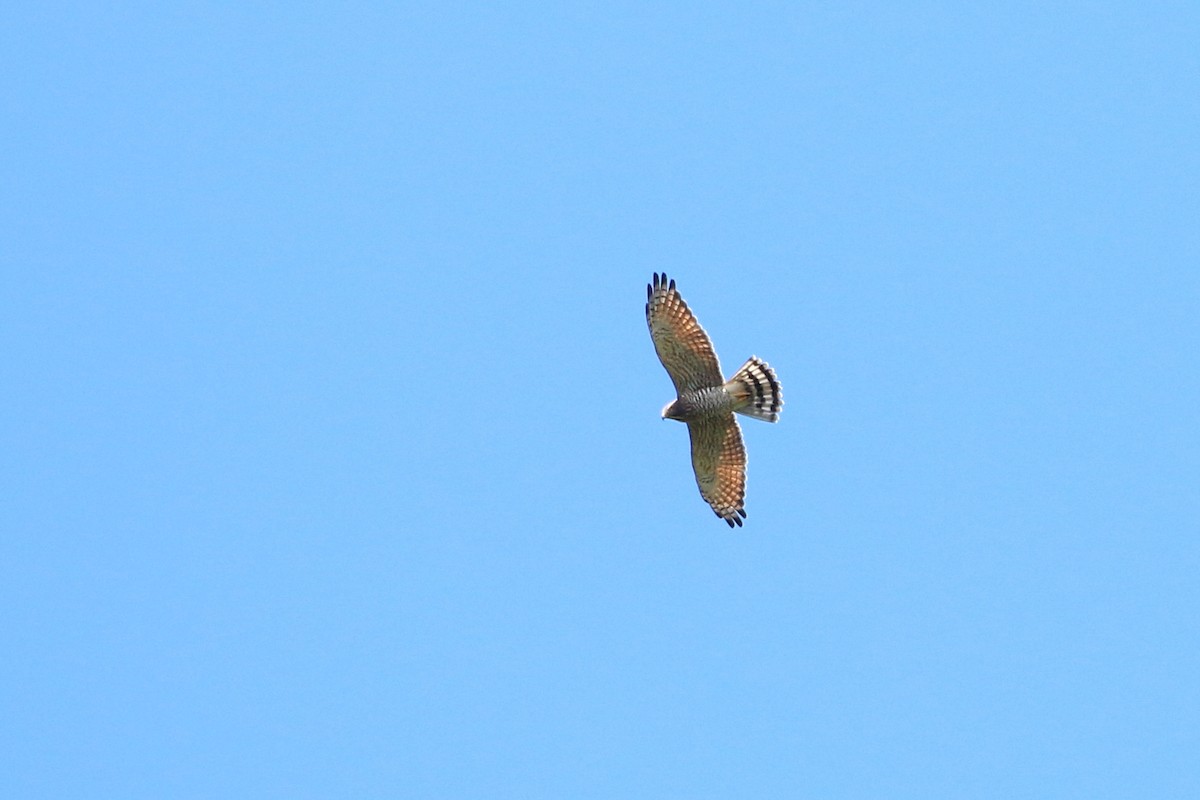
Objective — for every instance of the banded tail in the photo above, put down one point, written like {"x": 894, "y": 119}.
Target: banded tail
{"x": 756, "y": 384}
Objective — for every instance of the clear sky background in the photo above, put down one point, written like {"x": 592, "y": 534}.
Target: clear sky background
{"x": 332, "y": 460}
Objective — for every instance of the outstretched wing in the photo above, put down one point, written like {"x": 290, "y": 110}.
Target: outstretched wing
{"x": 719, "y": 459}
{"x": 682, "y": 345}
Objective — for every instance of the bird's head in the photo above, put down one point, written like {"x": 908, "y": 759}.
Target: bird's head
{"x": 675, "y": 410}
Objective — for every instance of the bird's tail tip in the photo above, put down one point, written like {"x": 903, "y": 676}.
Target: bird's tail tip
{"x": 756, "y": 383}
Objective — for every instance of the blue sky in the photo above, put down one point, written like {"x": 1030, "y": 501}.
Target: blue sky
{"x": 334, "y": 465}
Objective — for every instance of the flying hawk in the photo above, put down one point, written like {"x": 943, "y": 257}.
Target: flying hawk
{"x": 706, "y": 401}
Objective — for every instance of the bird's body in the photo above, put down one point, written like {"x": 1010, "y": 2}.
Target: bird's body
{"x": 712, "y": 401}
{"x": 706, "y": 401}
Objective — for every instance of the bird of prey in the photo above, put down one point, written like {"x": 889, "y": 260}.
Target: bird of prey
{"x": 706, "y": 401}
